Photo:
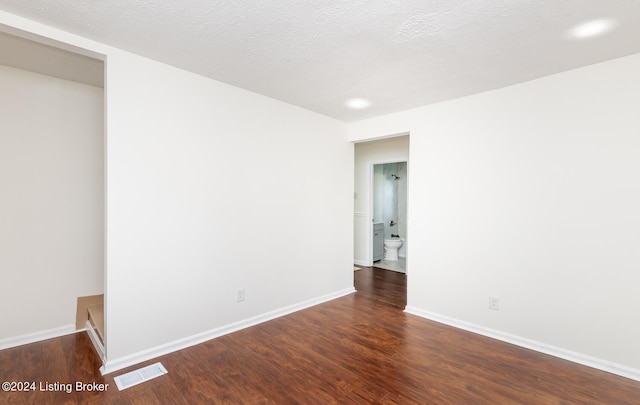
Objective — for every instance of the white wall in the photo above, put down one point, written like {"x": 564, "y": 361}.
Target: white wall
{"x": 366, "y": 155}
{"x": 530, "y": 194}
{"x": 51, "y": 200}
{"x": 210, "y": 189}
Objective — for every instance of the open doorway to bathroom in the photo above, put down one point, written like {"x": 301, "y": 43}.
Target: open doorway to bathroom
{"x": 389, "y": 208}
{"x": 380, "y": 202}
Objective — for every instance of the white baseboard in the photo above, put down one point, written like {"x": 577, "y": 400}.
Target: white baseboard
{"x": 37, "y": 336}
{"x": 569, "y": 355}
{"x": 95, "y": 339}
{"x": 132, "y": 359}
{"x": 361, "y": 263}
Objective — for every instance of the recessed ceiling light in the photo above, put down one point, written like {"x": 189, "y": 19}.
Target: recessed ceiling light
{"x": 358, "y": 103}
{"x": 592, "y": 29}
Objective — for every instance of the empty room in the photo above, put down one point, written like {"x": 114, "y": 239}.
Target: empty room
{"x": 320, "y": 202}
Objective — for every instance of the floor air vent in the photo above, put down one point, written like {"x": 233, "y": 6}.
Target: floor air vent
{"x": 139, "y": 376}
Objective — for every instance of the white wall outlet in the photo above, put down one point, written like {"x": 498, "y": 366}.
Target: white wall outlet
{"x": 494, "y": 303}
{"x": 240, "y": 295}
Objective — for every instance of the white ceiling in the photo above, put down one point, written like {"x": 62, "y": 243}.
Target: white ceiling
{"x": 397, "y": 53}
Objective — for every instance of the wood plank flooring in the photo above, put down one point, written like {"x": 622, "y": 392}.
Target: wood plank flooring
{"x": 359, "y": 349}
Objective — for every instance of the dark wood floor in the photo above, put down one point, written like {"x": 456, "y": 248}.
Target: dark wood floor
{"x": 359, "y": 349}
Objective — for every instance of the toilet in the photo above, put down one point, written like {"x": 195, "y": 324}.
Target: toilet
{"x": 391, "y": 247}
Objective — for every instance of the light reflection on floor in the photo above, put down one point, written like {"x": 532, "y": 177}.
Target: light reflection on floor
{"x": 399, "y": 265}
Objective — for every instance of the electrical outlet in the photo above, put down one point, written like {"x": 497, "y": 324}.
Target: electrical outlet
{"x": 494, "y": 303}
{"x": 240, "y": 295}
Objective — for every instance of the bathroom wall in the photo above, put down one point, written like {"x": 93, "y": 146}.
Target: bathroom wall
{"x": 530, "y": 194}
{"x": 51, "y": 204}
{"x": 390, "y": 199}
{"x": 367, "y": 154}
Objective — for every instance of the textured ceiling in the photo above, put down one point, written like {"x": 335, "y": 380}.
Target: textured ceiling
{"x": 316, "y": 54}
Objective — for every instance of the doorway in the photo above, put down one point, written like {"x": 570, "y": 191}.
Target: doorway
{"x": 389, "y": 216}
{"x": 367, "y": 155}
{"x": 52, "y": 156}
